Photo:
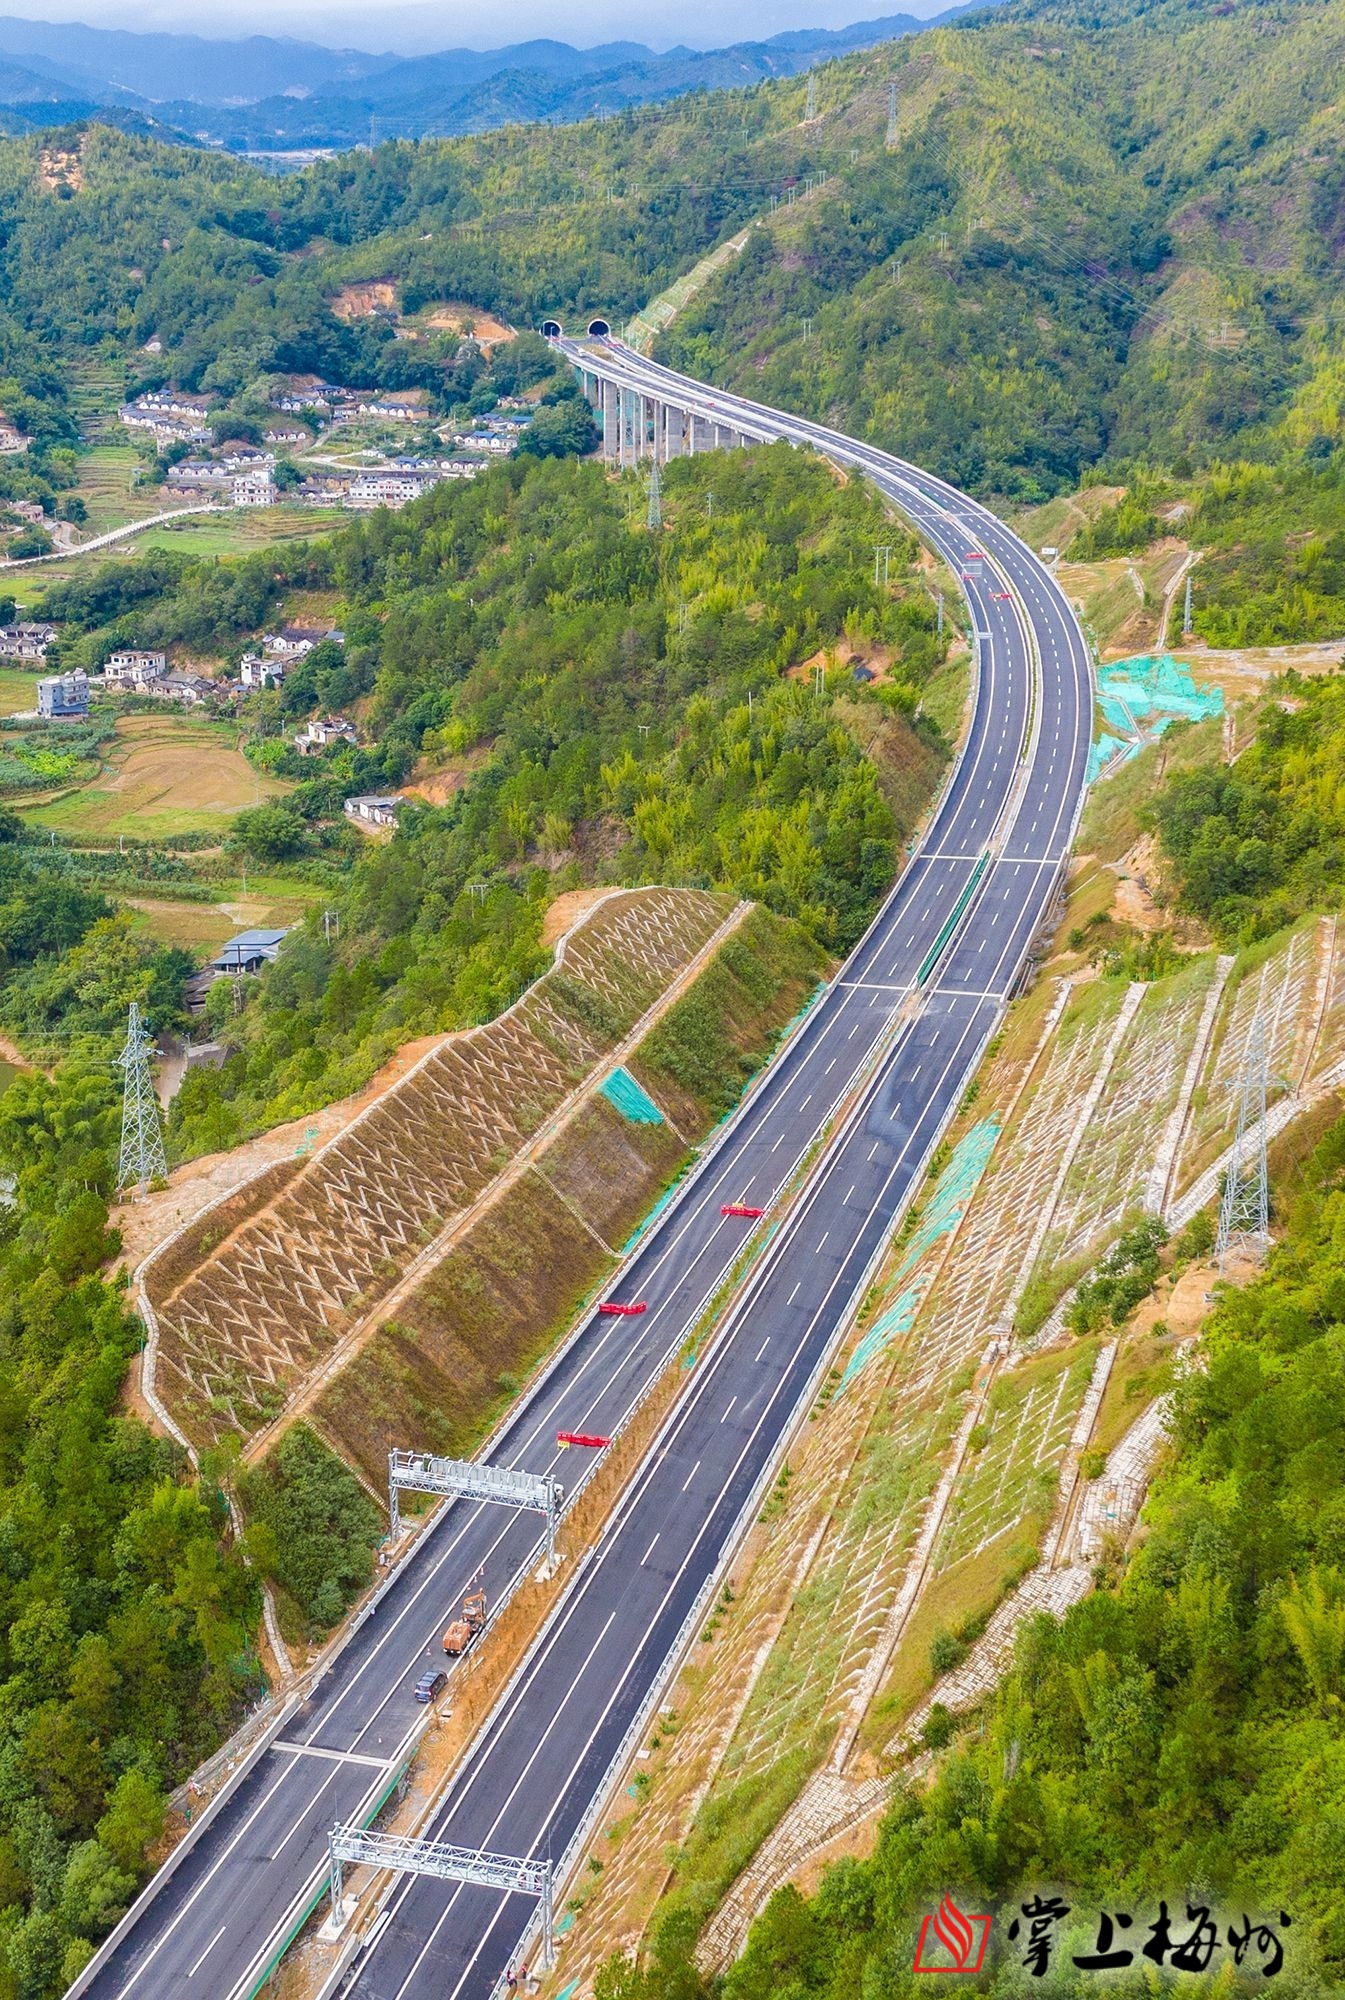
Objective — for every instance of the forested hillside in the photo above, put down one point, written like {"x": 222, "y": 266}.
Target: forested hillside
{"x": 594, "y": 703}
{"x": 1180, "y": 1731}
{"x": 1067, "y": 254}
{"x": 591, "y": 701}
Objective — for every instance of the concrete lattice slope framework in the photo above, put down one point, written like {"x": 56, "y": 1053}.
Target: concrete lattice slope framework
{"x": 276, "y": 1295}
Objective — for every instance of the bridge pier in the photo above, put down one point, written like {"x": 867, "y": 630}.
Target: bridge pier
{"x": 611, "y": 421}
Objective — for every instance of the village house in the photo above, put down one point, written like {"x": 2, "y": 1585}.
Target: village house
{"x": 285, "y": 437}
{"x": 240, "y": 456}
{"x": 173, "y": 403}
{"x": 388, "y": 489}
{"x": 131, "y": 668}
{"x": 200, "y": 472}
{"x": 305, "y": 392}
{"x": 255, "y": 672}
{"x": 189, "y": 689}
{"x": 64, "y": 695}
{"x": 291, "y": 642}
{"x": 11, "y": 440}
{"x": 374, "y": 809}
{"x": 495, "y": 444}
{"x": 25, "y": 642}
{"x": 254, "y": 489}
{"x": 317, "y": 735}
{"x": 400, "y": 406}
{"x": 26, "y": 510}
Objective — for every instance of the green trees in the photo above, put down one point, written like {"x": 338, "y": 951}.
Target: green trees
{"x": 125, "y": 1617}
{"x": 597, "y": 704}
{"x": 1256, "y": 844}
{"x": 314, "y": 1527}
{"x": 1181, "y": 1730}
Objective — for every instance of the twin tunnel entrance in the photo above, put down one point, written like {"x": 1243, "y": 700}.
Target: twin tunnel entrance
{"x": 598, "y": 329}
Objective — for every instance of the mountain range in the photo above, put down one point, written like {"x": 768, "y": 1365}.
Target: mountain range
{"x": 267, "y": 94}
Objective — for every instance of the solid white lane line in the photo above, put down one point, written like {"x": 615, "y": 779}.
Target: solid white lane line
{"x": 332, "y": 1756}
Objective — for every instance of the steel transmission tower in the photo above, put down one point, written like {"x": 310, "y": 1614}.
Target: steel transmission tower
{"x": 1244, "y": 1211}
{"x": 655, "y": 494}
{"x": 811, "y": 113}
{"x": 142, "y": 1156}
{"x": 891, "y": 115}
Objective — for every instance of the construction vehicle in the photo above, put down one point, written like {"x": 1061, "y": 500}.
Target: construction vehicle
{"x": 463, "y": 1630}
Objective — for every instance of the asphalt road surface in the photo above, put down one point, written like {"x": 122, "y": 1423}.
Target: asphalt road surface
{"x": 990, "y": 858}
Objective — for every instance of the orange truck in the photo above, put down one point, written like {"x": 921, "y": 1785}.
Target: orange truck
{"x": 464, "y": 1629}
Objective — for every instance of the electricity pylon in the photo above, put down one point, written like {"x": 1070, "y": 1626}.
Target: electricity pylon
{"x": 891, "y": 115}
{"x": 142, "y": 1155}
{"x": 1244, "y": 1210}
{"x": 811, "y": 113}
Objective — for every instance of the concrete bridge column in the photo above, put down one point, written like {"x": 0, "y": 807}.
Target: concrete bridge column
{"x": 673, "y": 420}
{"x": 702, "y": 434}
{"x": 611, "y": 423}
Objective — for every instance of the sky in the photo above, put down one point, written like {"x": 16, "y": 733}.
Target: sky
{"x": 414, "y": 27}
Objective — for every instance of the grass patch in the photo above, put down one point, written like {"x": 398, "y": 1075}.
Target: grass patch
{"x": 1115, "y": 814}
{"x": 953, "y": 1601}
{"x": 944, "y": 700}
{"x": 18, "y": 691}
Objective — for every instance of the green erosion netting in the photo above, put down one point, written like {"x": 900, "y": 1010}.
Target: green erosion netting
{"x": 941, "y": 1215}
{"x": 1140, "y": 698}
{"x": 631, "y": 1100}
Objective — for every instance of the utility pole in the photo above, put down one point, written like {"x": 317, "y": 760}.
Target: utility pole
{"x": 1186, "y": 612}
{"x": 891, "y": 115}
{"x": 142, "y": 1155}
{"x": 655, "y": 516}
{"x": 1244, "y": 1210}
{"x": 709, "y": 506}
{"x": 881, "y": 556}
{"x": 941, "y": 614}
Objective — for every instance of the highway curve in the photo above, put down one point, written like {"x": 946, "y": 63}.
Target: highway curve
{"x": 912, "y": 1010}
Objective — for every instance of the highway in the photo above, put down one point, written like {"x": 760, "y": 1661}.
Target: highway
{"x": 923, "y": 995}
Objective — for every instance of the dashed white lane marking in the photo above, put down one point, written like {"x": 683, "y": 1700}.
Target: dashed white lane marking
{"x": 206, "y": 1953}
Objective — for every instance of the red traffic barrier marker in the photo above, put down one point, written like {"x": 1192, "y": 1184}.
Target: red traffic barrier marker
{"x": 611, "y": 1306}
{"x": 579, "y": 1437}
{"x": 739, "y": 1208}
